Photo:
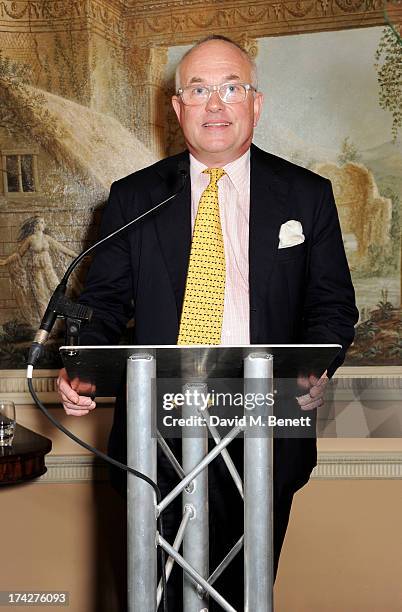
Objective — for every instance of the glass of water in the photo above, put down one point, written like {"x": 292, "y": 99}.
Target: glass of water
{"x": 7, "y": 422}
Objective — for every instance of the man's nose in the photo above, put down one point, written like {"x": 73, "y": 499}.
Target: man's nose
{"x": 214, "y": 103}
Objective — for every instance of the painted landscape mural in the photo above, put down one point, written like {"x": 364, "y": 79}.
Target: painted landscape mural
{"x": 78, "y": 111}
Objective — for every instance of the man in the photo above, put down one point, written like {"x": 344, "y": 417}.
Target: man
{"x": 295, "y": 294}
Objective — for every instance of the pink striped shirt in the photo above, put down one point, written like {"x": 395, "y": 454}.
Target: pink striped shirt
{"x": 234, "y": 205}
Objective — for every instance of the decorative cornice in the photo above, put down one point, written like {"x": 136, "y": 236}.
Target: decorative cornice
{"x": 175, "y": 22}
{"x": 368, "y": 383}
{"x": 331, "y": 466}
{"x": 345, "y": 466}
{"x": 106, "y": 17}
{"x": 73, "y": 468}
{"x": 172, "y": 23}
{"x": 102, "y": 16}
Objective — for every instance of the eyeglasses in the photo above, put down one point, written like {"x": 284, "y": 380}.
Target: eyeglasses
{"x": 229, "y": 93}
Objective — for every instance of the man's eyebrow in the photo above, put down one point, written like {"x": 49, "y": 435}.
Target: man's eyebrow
{"x": 196, "y": 80}
{"x": 229, "y": 77}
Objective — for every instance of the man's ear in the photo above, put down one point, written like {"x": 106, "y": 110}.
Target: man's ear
{"x": 258, "y": 102}
{"x": 176, "y": 107}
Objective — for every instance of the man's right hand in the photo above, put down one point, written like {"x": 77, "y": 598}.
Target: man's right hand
{"x": 73, "y": 403}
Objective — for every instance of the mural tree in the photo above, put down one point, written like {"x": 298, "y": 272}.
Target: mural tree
{"x": 389, "y": 68}
{"x": 349, "y": 153}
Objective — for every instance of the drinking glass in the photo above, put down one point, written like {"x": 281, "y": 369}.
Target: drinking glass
{"x": 7, "y": 422}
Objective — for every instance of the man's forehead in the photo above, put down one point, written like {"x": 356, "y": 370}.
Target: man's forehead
{"x": 213, "y": 57}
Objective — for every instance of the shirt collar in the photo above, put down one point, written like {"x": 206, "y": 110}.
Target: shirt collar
{"x": 236, "y": 170}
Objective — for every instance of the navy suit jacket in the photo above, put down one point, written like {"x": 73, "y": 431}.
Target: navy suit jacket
{"x": 299, "y": 294}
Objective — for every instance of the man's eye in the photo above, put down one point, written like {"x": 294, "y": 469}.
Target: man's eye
{"x": 198, "y": 91}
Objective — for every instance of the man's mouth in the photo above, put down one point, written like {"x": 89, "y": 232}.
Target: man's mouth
{"x": 216, "y": 124}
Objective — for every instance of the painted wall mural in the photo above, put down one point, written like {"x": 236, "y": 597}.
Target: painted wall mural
{"x": 81, "y": 107}
{"x": 333, "y": 104}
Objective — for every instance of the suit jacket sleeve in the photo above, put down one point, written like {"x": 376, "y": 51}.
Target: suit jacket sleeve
{"x": 108, "y": 289}
{"x": 329, "y": 313}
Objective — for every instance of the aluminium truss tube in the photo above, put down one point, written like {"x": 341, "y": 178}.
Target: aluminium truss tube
{"x": 176, "y": 545}
{"x": 141, "y": 498}
{"x": 225, "y": 454}
{"x": 207, "y": 459}
{"x": 225, "y": 562}
{"x": 191, "y": 571}
{"x": 196, "y": 537}
{"x": 258, "y": 541}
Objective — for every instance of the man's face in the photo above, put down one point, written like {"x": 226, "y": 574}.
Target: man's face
{"x": 217, "y": 133}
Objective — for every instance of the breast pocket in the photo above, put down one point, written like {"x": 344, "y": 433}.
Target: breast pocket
{"x": 291, "y": 253}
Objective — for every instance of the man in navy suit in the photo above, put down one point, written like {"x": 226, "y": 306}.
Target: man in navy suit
{"x": 287, "y": 278}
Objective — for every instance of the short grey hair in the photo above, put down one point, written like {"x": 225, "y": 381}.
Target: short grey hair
{"x": 253, "y": 66}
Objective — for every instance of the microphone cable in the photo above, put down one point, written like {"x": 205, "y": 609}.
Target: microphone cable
{"x": 117, "y": 464}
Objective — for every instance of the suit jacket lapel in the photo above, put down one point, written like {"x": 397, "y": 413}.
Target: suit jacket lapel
{"x": 268, "y": 192}
{"x": 173, "y": 224}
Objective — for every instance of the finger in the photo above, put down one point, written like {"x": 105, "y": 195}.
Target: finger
{"x": 85, "y": 388}
{"x": 67, "y": 391}
{"x": 63, "y": 376}
{"x": 317, "y": 403}
{"x": 77, "y": 409}
{"x": 317, "y": 391}
{"x": 82, "y": 402}
{"x": 75, "y": 383}
{"x": 76, "y": 413}
{"x": 63, "y": 373}
{"x": 304, "y": 400}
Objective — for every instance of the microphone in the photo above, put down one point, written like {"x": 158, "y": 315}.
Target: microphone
{"x": 60, "y": 306}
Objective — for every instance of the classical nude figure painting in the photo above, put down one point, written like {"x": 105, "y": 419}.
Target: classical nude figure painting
{"x": 35, "y": 269}
{"x": 74, "y": 118}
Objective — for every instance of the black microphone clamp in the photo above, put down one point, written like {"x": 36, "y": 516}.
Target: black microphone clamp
{"x": 59, "y": 307}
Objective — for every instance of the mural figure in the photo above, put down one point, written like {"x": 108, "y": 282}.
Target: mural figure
{"x": 35, "y": 269}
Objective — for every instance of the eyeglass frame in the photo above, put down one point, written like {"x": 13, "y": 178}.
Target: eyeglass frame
{"x": 212, "y": 88}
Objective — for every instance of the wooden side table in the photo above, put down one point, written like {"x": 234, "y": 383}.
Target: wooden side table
{"x": 25, "y": 459}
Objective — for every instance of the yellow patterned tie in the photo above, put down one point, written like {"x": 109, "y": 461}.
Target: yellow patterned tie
{"x": 202, "y": 314}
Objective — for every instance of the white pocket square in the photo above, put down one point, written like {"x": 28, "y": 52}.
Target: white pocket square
{"x": 290, "y": 234}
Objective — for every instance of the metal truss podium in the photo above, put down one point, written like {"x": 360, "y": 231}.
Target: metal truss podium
{"x": 195, "y": 368}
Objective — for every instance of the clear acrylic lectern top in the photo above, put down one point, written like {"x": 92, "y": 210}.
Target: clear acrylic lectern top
{"x": 104, "y": 367}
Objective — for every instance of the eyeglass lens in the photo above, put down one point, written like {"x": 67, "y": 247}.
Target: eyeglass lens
{"x": 230, "y": 93}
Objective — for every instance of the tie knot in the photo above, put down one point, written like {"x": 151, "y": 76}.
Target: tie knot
{"x": 215, "y": 174}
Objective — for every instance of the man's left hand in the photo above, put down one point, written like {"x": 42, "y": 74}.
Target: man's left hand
{"x": 315, "y": 396}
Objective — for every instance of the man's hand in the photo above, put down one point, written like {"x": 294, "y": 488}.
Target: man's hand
{"x": 73, "y": 403}
{"x": 316, "y": 386}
